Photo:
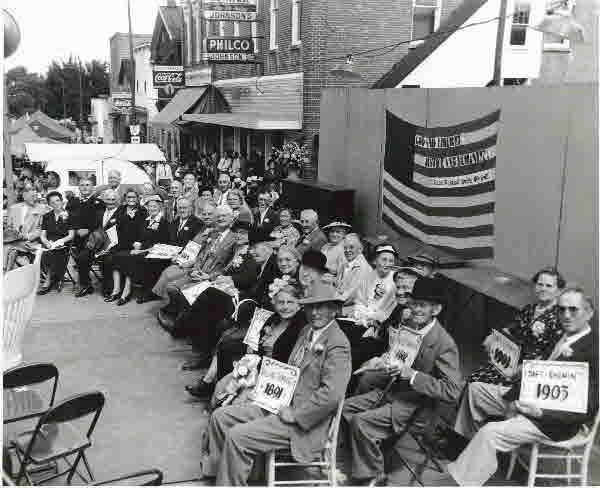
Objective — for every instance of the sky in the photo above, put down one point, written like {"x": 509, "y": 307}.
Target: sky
{"x": 54, "y": 29}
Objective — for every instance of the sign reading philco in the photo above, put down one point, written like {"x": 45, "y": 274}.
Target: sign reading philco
{"x": 230, "y": 15}
{"x": 168, "y": 75}
{"x": 237, "y": 5}
{"x": 230, "y": 45}
{"x": 230, "y": 50}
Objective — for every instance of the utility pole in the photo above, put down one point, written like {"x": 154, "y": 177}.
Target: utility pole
{"x": 132, "y": 119}
{"x": 497, "y": 80}
{"x": 80, "y": 96}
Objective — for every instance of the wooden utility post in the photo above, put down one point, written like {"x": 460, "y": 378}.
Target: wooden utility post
{"x": 132, "y": 118}
{"x": 497, "y": 80}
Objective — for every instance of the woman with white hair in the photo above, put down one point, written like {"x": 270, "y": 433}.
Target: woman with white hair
{"x": 241, "y": 212}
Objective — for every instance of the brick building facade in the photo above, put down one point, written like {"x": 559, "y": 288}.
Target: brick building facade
{"x": 298, "y": 43}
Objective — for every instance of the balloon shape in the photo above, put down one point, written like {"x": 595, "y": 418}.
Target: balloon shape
{"x": 12, "y": 34}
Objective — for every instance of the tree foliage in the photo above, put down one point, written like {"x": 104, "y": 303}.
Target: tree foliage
{"x": 64, "y": 92}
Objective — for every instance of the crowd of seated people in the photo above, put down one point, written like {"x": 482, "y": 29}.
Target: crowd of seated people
{"x": 331, "y": 311}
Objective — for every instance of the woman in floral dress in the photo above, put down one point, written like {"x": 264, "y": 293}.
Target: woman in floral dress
{"x": 536, "y": 328}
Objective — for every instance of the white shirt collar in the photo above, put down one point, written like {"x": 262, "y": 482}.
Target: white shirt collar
{"x": 318, "y": 333}
{"x": 566, "y": 340}
{"x": 425, "y": 330}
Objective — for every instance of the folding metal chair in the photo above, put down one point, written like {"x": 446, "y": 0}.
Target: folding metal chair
{"x": 422, "y": 433}
{"x": 23, "y": 376}
{"x": 326, "y": 460}
{"x": 578, "y": 448}
{"x": 149, "y": 477}
{"x": 54, "y": 437}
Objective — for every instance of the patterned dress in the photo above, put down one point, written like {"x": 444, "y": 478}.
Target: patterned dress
{"x": 536, "y": 335}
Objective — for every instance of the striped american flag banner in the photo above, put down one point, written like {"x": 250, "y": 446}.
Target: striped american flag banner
{"x": 439, "y": 184}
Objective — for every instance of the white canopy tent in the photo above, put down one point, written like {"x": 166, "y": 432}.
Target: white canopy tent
{"x": 94, "y": 152}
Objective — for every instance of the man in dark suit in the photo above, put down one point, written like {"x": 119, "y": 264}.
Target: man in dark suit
{"x": 265, "y": 218}
{"x": 171, "y": 202}
{"x": 83, "y": 210}
{"x": 239, "y": 433}
{"x": 526, "y": 422}
{"x": 186, "y": 225}
{"x": 102, "y": 218}
{"x": 433, "y": 376}
{"x": 181, "y": 230}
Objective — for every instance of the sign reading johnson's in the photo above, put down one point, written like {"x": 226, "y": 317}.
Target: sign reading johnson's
{"x": 229, "y": 50}
{"x": 168, "y": 75}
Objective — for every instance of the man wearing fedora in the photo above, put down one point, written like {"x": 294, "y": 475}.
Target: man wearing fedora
{"x": 240, "y": 433}
{"x": 434, "y": 376}
{"x": 425, "y": 263}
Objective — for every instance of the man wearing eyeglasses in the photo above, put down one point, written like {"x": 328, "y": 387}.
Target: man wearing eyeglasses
{"x": 526, "y": 423}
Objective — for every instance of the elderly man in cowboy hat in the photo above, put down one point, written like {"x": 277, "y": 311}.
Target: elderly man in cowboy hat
{"x": 433, "y": 376}
{"x": 239, "y": 433}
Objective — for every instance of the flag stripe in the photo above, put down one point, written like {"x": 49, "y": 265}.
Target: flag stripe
{"x": 434, "y": 230}
{"x": 464, "y": 181}
{"x": 437, "y": 202}
{"x": 466, "y": 191}
{"x": 463, "y": 222}
{"x": 464, "y": 139}
{"x": 450, "y": 242}
{"x": 462, "y": 149}
{"x": 459, "y": 170}
{"x": 470, "y": 126}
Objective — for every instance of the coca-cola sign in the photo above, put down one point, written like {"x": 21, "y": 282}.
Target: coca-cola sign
{"x": 169, "y": 75}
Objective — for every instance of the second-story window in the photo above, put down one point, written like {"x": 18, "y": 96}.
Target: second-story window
{"x": 222, "y": 28}
{"x": 236, "y": 29}
{"x": 520, "y": 21}
{"x": 426, "y": 19}
{"x": 296, "y": 10}
{"x": 273, "y": 27}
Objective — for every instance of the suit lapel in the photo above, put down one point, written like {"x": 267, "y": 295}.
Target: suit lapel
{"x": 309, "y": 356}
{"x": 429, "y": 341}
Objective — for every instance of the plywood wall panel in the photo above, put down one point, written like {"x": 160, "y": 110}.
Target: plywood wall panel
{"x": 578, "y": 247}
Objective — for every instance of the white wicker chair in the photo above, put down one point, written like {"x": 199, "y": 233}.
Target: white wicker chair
{"x": 578, "y": 448}
{"x": 20, "y": 287}
{"x": 327, "y": 461}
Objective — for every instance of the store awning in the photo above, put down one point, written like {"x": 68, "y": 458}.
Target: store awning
{"x": 248, "y": 120}
{"x": 95, "y": 152}
{"x": 183, "y": 100}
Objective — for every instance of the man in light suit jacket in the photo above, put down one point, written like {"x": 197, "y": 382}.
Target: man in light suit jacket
{"x": 526, "y": 422}
{"x": 264, "y": 217}
{"x": 214, "y": 255}
{"x": 434, "y": 376}
{"x": 239, "y": 433}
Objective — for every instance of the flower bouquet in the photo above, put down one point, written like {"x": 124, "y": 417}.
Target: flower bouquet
{"x": 244, "y": 375}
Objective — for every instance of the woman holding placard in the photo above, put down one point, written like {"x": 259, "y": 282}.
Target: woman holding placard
{"x": 535, "y": 329}
{"x": 276, "y": 340}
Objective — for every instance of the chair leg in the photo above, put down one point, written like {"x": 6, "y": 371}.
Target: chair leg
{"x": 533, "y": 464}
{"x": 569, "y": 469}
{"x": 270, "y": 469}
{"x": 87, "y": 466}
{"x": 333, "y": 468}
{"x": 74, "y": 468}
{"x": 511, "y": 465}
